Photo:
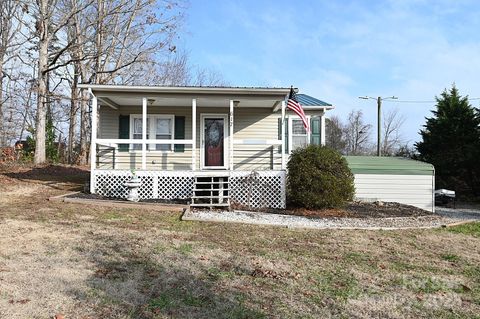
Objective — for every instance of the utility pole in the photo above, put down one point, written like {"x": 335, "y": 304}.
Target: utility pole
{"x": 379, "y": 125}
{"x": 379, "y": 118}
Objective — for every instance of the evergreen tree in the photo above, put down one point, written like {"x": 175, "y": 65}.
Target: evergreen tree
{"x": 51, "y": 148}
{"x": 451, "y": 142}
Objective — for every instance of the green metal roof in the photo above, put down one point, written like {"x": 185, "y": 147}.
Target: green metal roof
{"x": 307, "y": 100}
{"x": 388, "y": 165}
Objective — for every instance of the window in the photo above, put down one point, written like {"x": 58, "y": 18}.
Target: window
{"x": 163, "y": 131}
{"x": 137, "y": 132}
{"x": 299, "y": 134}
{"x": 158, "y": 127}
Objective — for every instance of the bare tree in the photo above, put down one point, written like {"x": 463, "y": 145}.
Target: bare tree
{"x": 177, "y": 70}
{"x": 87, "y": 41}
{"x": 357, "y": 133}
{"x": 51, "y": 17}
{"x": 126, "y": 37}
{"x": 405, "y": 150}
{"x": 335, "y": 134}
{"x": 11, "y": 12}
{"x": 391, "y": 137}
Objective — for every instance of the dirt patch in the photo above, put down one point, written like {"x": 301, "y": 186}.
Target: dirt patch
{"x": 83, "y": 195}
{"x": 58, "y": 177}
{"x": 48, "y": 173}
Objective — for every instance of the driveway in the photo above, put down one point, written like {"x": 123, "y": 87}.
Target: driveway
{"x": 458, "y": 213}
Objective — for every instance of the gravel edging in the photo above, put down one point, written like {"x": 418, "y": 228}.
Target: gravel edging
{"x": 289, "y": 221}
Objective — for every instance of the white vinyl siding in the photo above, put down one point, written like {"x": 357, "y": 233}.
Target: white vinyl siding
{"x": 415, "y": 190}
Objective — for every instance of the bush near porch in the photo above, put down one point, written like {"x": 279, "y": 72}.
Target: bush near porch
{"x": 319, "y": 177}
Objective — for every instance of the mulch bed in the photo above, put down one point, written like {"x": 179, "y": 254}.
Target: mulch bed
{"x": 354, "y": 209}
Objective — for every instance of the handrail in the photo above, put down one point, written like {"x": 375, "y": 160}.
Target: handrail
{"x": 135, "y": 141}
{"x": 257, "y": 142}
{"x": 114, "y": 146}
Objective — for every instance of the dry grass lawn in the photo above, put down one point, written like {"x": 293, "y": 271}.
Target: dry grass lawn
{"x": 97, "y": 262}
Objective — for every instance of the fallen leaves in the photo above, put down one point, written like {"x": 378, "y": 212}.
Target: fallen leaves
{"x": 20, "y": 301}
{"x": 265, "y": 273}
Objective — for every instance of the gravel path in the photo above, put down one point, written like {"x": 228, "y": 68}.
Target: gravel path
{"x": 318, "y": 223}
{"x": 458, "y": 213}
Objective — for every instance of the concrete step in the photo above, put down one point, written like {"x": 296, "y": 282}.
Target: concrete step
{"x": 210, "y": 205}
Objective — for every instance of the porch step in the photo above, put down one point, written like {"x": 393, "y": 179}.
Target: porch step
{"x": 211, "y": 183}
{"x": 210, "y": 205}
{"x": 211, "y": 190}
{"x": 207, "y": 197}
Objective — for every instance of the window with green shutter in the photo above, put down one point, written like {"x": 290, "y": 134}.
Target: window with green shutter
{"x": 315, "y": 134}
{"x": 123, "y": 131}
{"x": 179, "y": 133}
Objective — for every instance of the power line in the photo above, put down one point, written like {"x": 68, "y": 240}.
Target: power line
{"x": 424, "y": 101}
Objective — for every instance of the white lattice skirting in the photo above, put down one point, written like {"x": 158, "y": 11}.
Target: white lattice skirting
{"x": 258, "y": 188}
{"x": 251, "y": 188}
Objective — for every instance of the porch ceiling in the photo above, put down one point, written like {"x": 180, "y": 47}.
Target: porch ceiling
{"x": 187, "y": 102}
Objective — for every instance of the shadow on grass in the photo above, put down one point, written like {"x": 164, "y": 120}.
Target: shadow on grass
{"x": 53, "y": 175}
{"x": 133, "y": 282}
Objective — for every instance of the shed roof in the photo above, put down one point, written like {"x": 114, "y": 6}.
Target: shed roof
{"x": 388, "y": 165}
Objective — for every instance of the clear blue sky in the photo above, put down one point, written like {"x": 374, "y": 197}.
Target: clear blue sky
{"x": 339, "y": 50}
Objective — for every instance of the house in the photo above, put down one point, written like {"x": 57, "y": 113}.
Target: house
{"x": 211, "y": 145}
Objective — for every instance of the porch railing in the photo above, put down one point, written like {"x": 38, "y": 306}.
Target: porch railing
{"x": 251, "y": 154}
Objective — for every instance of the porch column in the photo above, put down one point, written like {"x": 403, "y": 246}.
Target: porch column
{"x": 93, "y": 143}
{"x": 194, "y": 134}
{"x": 283, "y": 135}
{"x": 230, "y": 149}
{"x": 322, "y": 129}
{"x": 144, "y": 133}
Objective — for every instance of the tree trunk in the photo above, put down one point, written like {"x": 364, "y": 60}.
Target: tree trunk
{"x": 84, "y": 129}
{"x": 2, "y": 131}
{"x": 72, "y": 121}
{"x": 42, "y": 30}
{"x": 41, "y": 102}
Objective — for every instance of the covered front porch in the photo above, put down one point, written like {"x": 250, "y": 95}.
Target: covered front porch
{"x": 172, "y": 137}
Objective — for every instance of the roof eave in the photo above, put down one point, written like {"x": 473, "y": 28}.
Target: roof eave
{"x": 316, "y": 108}
{"x": 185, "y": 89}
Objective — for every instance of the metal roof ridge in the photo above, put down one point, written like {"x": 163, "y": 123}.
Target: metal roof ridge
{"x": 185, "y": 89}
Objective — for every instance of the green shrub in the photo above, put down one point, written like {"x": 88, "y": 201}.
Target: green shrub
{"x": 319, "y": 177}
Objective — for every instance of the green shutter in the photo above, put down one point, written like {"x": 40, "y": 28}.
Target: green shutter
{"x": 123, "y": 131}
{"x": 315, "y": 133}
{"x": 179, "y": 133}
{"x": 286, "y": 133}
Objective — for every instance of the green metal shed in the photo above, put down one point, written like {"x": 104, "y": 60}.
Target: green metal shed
{"x": 394, "y": 179}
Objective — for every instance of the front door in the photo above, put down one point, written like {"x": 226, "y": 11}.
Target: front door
{"x": 213, "y": 141}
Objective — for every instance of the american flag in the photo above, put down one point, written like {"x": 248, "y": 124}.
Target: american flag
{"x": 296, "y": 107}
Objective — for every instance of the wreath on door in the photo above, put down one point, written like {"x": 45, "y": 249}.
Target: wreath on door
{"x": 214, "y": 132}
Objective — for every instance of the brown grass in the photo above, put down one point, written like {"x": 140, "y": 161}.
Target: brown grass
{"x": 99, "y": 262}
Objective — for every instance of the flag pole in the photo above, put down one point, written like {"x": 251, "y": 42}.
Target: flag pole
{"x": 283, "y": 134}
